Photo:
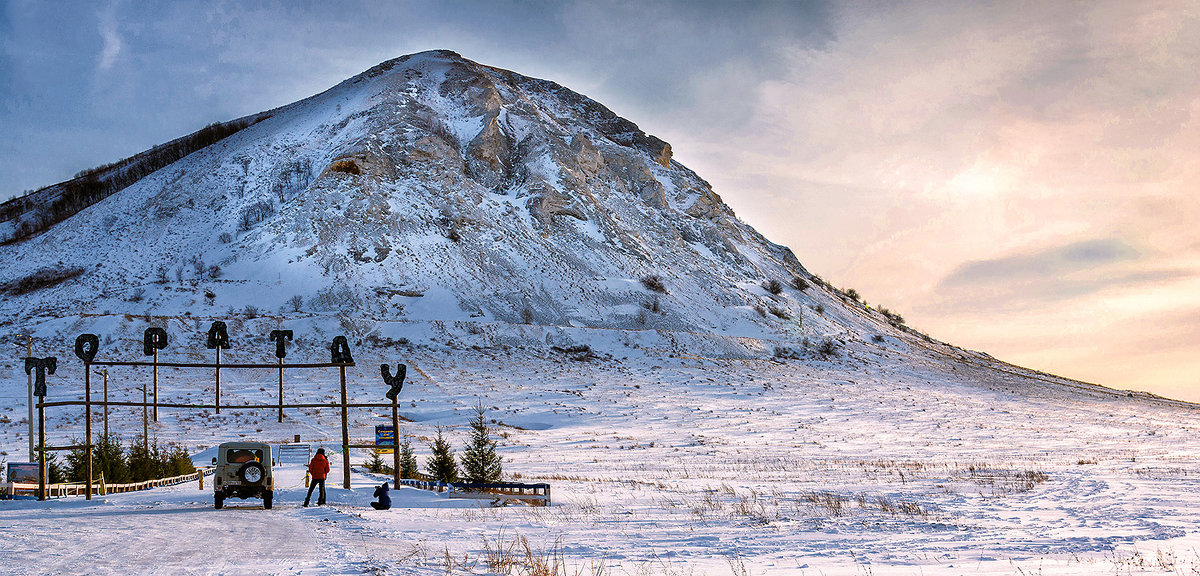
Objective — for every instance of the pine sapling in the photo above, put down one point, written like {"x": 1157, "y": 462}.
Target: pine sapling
{"x": 479, "y": 460}
{"x": 441, "y": 465}
{"x": 408, "y": 460}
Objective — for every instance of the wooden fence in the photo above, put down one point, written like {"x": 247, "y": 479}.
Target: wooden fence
{"x": 99, "y": 487}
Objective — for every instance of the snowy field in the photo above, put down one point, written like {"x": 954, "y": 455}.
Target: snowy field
{"x": 883, "y": 461}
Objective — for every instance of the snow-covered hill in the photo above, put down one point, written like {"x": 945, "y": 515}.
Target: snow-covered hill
{"x": 429, "y": 188}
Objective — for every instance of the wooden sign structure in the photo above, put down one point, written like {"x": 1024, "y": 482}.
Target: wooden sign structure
{"x": 87, "y": 345}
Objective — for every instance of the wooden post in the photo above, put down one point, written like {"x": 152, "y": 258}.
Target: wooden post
{"x": 87, "y": 408}
{"x": 396, "y": 442}
{"x": 218, "y": 402}
{"x": 105, "y": 403}
{"x": 41, "y": 450}
{"x": 145, "y": 421}
{"x": 156, "y": 384}
{"x": 345, "y": 434}
{"x": 281, "y": 389}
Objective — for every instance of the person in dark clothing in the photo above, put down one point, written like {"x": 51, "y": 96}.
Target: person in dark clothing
{"x": 318, "y": 468}
{"x": 385, "y": 501}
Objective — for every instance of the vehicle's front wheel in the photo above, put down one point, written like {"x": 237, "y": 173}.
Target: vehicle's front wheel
{"x": 267, "y": 497}
{"x": 218, "y": 501}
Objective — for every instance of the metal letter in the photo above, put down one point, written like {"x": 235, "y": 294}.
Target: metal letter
{"x": 340, "y": 350}
{"x": 218, "y": 336}
{"x": 86, "y": 346}
{"x": 279, "y": 336}
{"x": 395, "y": 382}
{"x": 39, "y": 367}
{"x": 154, "y": 339}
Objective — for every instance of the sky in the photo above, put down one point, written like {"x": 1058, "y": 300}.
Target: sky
{"x": 1012, "y": 177}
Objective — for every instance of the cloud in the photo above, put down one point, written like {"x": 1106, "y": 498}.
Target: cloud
{"x": 1093, "y": 256}
{"x": 1047, "y": 277}
{"x": 112, "y": 40}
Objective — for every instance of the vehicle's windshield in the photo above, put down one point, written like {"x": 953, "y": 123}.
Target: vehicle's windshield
{"x": 240, "y": 455}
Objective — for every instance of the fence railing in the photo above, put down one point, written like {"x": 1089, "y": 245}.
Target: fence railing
{"x": 99, "y": 486}
{"x": 538, "y": 494}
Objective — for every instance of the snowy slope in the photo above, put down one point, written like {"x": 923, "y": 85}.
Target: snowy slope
{"x": 493, "y": 195}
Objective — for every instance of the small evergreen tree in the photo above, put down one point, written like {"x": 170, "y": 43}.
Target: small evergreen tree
{"x": 408, "y": 460}
{"x": 108, "y": 458}
{"x": 142, "y": 463}
{"x": 441, "y": 465}
{"x": 179, "y": 462}
{"x": 374, "y": 463}
{"x": 56, "y": 472}
{"x": 480, "y": 463}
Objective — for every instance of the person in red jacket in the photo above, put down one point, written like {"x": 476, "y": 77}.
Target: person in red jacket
{"x": 318, "y": 469}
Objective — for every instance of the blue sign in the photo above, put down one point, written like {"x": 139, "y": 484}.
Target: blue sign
{"x": 384, "y": 436}
{"x": 23, "y": 472}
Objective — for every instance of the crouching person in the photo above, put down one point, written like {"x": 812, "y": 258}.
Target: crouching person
{"x": 385, "y": 501}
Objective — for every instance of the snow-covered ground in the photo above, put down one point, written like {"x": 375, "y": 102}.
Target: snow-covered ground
{"x": 681, "y": 465}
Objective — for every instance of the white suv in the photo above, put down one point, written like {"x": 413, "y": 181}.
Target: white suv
{"x": 243, "y": 471}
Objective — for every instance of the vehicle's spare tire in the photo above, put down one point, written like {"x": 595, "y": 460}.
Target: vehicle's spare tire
{"x": 251, "y": 473}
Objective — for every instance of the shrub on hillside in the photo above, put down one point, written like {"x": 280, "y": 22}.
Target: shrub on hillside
{"x": 346, "y": 167}
{"x": 654, "y": 283}
{"x": 44, "y": 278}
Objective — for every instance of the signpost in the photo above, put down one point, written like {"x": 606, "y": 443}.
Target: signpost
{"x": 86, "y": 346}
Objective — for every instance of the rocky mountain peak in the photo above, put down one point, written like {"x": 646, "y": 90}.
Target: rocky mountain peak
{"x": 433, "y": 188}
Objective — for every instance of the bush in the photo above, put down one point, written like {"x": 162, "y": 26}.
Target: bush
{"x": 44, "y": 278}
{"x": 852, "y": 294}
{"x": 654, "y": 283}
{"x": 346, "y": 167}
{"x": 781, "y": 313}
{"x": 893, "y": 318}
{"x": 773, "y": 286}
{"x": 225, "y": 238}
{"x": 799, "y": 284}
{"x": 827, "y": 349}
{"x": 296, "y": 302}
{"x": 255, "y": 213}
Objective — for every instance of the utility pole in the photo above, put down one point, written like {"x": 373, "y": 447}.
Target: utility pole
{"x": 29, "y": 354}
